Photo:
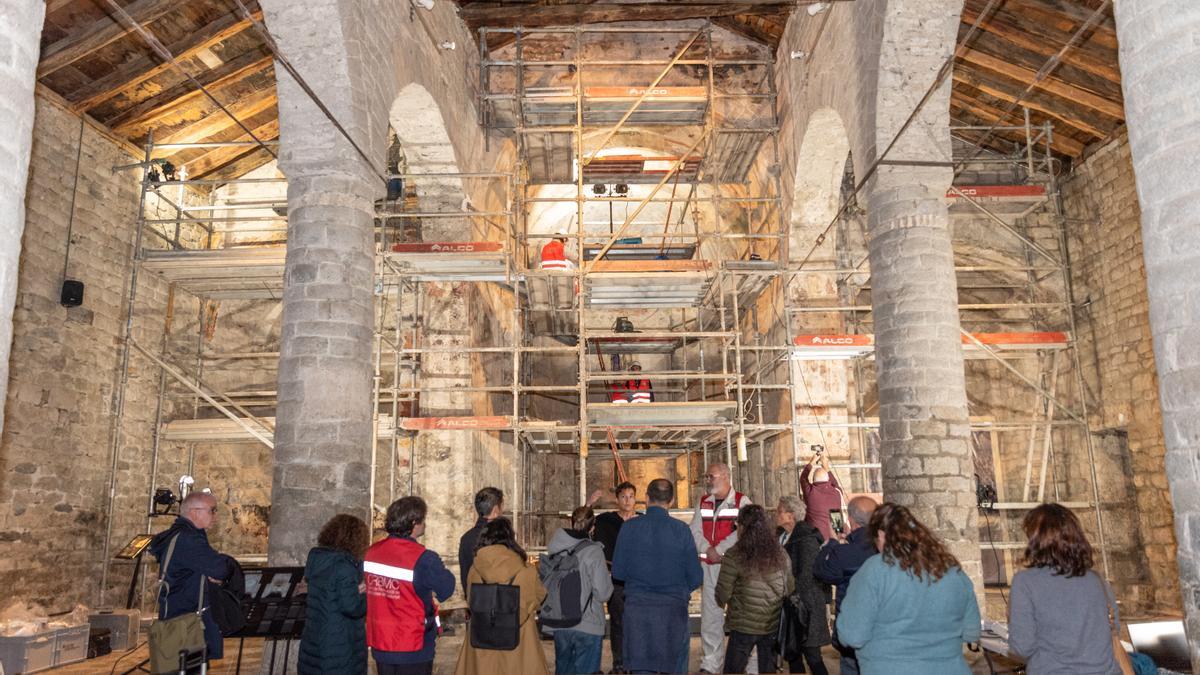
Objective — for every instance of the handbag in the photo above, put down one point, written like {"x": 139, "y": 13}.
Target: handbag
{"x": 183, "y": 633}
{"x": 496, "y": 616}
{"x": 793, "y": 628}
{"x": 1119, "y": 653}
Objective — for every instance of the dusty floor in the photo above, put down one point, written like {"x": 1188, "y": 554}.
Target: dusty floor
{"x": 447, "y": 655}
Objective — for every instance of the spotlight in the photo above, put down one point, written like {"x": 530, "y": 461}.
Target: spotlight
{"x": 797, "y": 54}
{"x": 448, "y": 45}
{"x": 164, "y": 499}
{"x": 816, "y": 8}
{"x": 599, "y": 189}
{"x": 621, "y": 189}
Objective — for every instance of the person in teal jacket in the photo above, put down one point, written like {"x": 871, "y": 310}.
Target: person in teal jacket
{"x": 911, "y": 608}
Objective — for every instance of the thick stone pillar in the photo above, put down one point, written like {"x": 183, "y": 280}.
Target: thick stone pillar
{"x": 323, "y": 427}
{"x": 924, "y": 427}
{"x": 20, "y": 30}
{"x": 1160, "y": 73}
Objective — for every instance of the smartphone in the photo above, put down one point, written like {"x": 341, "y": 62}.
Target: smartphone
{"x": 837, "y": 521}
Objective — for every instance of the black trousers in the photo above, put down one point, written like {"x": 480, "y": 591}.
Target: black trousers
{"x": 815, "y": 663}
{"x": 737, "y": 652}
{"x": 425, "y": 668}
{"x": 616, "y": 628}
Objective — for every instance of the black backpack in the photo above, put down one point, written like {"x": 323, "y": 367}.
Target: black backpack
{"x": 563, "y": 579}
{"x": 495, "y": 616}
{"x": 225, "y": 600}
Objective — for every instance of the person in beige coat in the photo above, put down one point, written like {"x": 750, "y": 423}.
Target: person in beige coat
{"x": 499, "y": 558}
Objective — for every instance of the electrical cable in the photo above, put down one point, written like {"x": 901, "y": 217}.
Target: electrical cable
{"x": 74, "y": 193}
{"x": 167, "y": 56}
{"x": 287, "y": 65}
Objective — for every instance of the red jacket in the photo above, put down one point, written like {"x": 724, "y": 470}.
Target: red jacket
{"x": 395, "y": 613}
{"x": 554, "y": 250}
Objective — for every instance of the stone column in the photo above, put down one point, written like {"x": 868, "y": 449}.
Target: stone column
{"x": 924, "y": 427}
{"x": 20, "y": 29}
{"x": 1160, "y": 72}
{"x": 323, "y": 427}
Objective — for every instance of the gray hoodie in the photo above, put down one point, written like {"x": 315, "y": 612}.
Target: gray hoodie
{"x": 594, "y": 577}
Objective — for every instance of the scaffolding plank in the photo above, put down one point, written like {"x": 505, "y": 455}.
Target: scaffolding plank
{"x": 1003, "y": 200}
{"x": 247, "y": 272}
{"x": 670, "y": 413}
{"x": 450, "y": 261}
{"x": 837, "y": 347}
{"x": 464, "y": 423}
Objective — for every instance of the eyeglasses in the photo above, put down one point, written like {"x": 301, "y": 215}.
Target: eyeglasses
{"x": 212, "y": 509}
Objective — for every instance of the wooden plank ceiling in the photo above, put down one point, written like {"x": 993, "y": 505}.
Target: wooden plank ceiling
{"x": 103, "y": 69}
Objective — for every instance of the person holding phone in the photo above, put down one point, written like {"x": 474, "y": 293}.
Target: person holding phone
{"x": 821, "y": 491}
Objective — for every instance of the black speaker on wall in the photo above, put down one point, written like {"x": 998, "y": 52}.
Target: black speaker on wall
{"x": 72, "y": 293}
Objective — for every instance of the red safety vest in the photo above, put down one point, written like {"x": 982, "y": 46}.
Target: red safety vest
{"x": 618, "y": 394}
{"x": 716, "y": 524}
{"x": 395, "y": 613}
{"x": 638, "y": 390}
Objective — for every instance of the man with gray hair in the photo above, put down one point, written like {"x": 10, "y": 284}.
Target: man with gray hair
{"x": 712, "y": 528}
{"x": 837, "y": 561}
{"x": 187, "y": 562}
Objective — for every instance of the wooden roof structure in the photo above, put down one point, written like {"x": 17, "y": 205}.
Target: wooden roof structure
{"x": 100, "y": 67}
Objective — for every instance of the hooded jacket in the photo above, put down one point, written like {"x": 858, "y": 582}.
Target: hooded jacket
{"x": 596, "y": 582}
{"x": 335, "y": 637}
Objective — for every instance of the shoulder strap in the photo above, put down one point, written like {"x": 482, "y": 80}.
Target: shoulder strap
{"x": 1110, "y": 601}
{"x": 162, "y": 576}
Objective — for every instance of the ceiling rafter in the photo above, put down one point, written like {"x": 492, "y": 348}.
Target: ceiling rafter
{"x": 505, "y": 15}
{"x": 1025, "y": 76}
{"x": 99, "y": 34}
{"x": 185, "y": 93}
{"x": 139, "y": 70}
{"x": 738, "y": 27}
{"x": 1008, "y": 91}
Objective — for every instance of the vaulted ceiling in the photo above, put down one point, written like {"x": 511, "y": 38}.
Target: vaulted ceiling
{"x": 101, "y": 67}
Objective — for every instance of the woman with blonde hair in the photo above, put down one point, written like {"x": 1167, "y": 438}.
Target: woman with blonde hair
{"x": 911, "y": 608}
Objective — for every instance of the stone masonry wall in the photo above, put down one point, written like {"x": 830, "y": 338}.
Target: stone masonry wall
{"x": 64, "y": 371}
{"x": 1105, "y": 239}
{"x": 20, "y": 26}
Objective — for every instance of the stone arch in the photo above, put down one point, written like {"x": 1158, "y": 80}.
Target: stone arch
{"x": 820, "y": 166}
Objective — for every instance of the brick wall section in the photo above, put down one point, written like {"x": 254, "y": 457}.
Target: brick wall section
{"x": 55, "y": 451}
{"x": 1160, "y": 59}
{"x": 20, "y": 27}
{"x": 1105, "y": 238}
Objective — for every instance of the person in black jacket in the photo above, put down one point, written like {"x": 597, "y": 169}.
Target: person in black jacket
{"x": 801, "y": 541}
{"x": 335, "y": 634}
{"x": 489, "y": 504}
{"x": 193, "y": 562}
{"x": 837, "y": 561}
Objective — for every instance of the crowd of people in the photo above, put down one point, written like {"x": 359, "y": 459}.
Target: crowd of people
{"x": 901, "y": 602}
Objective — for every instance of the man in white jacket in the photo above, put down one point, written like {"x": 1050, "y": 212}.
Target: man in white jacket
{"x": 712, "y": 528}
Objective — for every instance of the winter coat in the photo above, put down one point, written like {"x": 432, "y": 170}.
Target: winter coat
{"x": 802, "y": 548}
{"x": 335, "y": 634}
{"x": 193, "y": 560}
{"x": 596, "y": 583}
{"x": 752, "y": 601}
{"x": 497, "y": 564}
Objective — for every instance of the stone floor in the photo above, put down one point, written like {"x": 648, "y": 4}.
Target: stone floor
{"x": 447, "y": 656}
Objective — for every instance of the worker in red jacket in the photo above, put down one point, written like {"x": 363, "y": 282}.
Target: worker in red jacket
{"x": 402, "y": 577}
{"x": 554, "y": 254}
{"x": 639, "y": 387}
{"x": 618, "y": 393}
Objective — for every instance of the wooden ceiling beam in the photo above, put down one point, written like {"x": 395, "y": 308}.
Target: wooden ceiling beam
{"x": 241, "y": 166}
{"x": 139, "y": 70}
{"x": 503, "y": 15}
{"x": 99, "y": 34}
{"x": 733, "y": 25}
{"x": 218, "y": 158}
{"x": 164, "y": 103}
{"x": 1054, "y": 86}
{"x": 1081, "y": 119}
{"x": 1035, "y": 38}
{"x": 1065, "y": 16}
{"x": 1058, "y": 142}
{"x": 217, "y": 121}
